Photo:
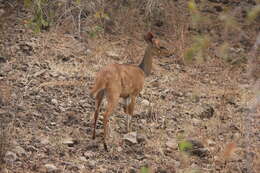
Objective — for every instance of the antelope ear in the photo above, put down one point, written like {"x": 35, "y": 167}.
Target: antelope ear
{"x": 149, "y": 37}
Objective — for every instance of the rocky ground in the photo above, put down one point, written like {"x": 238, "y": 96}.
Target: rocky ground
{"x": 46, "y": 112}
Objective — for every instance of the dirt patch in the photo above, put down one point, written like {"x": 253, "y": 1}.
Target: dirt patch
{"x": 44, "y": 84}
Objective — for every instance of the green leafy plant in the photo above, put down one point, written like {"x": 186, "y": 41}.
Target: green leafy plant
{"x": 96, "y": 31}
{"x": 198, "y": 48}
{"x": 40, "y": 19}
{"x": 196, "y": 17}
{"x": 144, "y": 170}
{"x": 253, "y": 13}
{"x": 185, "y": 145}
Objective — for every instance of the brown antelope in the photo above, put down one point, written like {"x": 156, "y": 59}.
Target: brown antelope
{"x": 125, "y": 81}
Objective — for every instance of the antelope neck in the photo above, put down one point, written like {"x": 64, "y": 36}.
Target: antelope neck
{"x": 146, "y": 63}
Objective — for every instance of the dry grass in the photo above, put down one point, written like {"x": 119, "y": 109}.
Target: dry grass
{"x": 173, "y": 93}
{"x": 5, "y": 137}
{"x": 5, "y": 100}
{"x": 5, "y": 93}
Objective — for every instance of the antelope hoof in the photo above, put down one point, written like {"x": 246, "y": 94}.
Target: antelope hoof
{"x": 129, "y": 123}
{"x": 129, "y": 127}
{"x": 105, "y": 147}
{"x": 125, "y": 109}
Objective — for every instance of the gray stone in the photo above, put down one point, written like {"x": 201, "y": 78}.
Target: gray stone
{"x": 50, "y": 167}
{"x": 172, "y": 143}
{"x": 54, "y": 101}
{"x": 10, "y": 156}
{"x": 141, "y": 137}
{"x": 131, "y": 137}
{"x": 19, "y": 150}
{"x": 145, "y": 102}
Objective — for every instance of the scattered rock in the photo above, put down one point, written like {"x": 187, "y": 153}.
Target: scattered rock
{"x": 143, "y": 121}
{"x": 220, "y": 1}
{"x": 218, "y": 8}
{"x": 54, "y": 101}
{"x": 119, "y": 149}
{"x": 204, "y": 111}
{"x": 82, "y": 159}
{"x": 39, "y": 73}
{"x": 71, "y": 118}
{"x": 19, "y": 150}
{"x": 155, "y": 84}
{"x": 211, "y": 142}
{"x": 132, "y": 170}
{"x": 161, "y": 170}
{"x": 10, "y": 156}
{"x": 141, "y": 138}
{"x": 169, "y": 111}
{"x": 192, "y": 170}
{"x": 69, "y": 141}
{"x": 88, "y": 51}
{"x": 89, "y": 154}
{"x": 92, "y": 163}
{"x": 4, "y": 170}
{"x": 177, "y": 164}
{"x": 26, "y": 48}
{"x": 53, "y": 123}
{"x": 145, "y": 102}
{"x": 44, "y": 140}
{"x": 132, "y": 137}
{"x": 2, "y": 11}
{"x": 31, "y": 148}
{"x": 172, "y": 143}
{"x": 50, "y": 168}
{"x": 81, "y": 167}
{"x": 113, "y": 54}
{"x": 92, "y": 145}
{"x": 196, "y": 121}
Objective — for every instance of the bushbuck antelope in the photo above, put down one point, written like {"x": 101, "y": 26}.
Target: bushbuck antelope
{"x": 125, "y": 81}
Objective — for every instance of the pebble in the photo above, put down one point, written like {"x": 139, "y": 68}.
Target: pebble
{"x": 19, "y": 150}
{"x": 50, "y": 167}
{"x": 54, "y": 101}
{"x": 145, "y": 103}
{"x": 10, "y": 156}
{"x": 172, "y": 143}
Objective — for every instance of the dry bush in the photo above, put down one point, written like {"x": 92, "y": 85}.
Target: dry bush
{"x": 4, "y": 136}
{"x": 5, "y": 93}
{"x": 5, "y": 101}
{"x": 98, "y": 17}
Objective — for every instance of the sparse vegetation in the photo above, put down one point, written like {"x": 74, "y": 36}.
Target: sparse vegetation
{"x": 206, "y": 92}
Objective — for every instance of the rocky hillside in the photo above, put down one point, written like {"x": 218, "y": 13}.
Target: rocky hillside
{"x": 194, "y": 114}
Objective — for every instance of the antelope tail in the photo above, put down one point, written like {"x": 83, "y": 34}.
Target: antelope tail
{"x": 99, "y": 86}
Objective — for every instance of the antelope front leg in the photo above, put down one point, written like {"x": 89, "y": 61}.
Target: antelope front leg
{"x": 129, "y": 124}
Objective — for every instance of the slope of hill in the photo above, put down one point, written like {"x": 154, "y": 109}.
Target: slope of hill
{"x": 46, "y": 112}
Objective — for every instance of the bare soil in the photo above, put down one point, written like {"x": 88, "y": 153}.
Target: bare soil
{"x": 44, "y": 84}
